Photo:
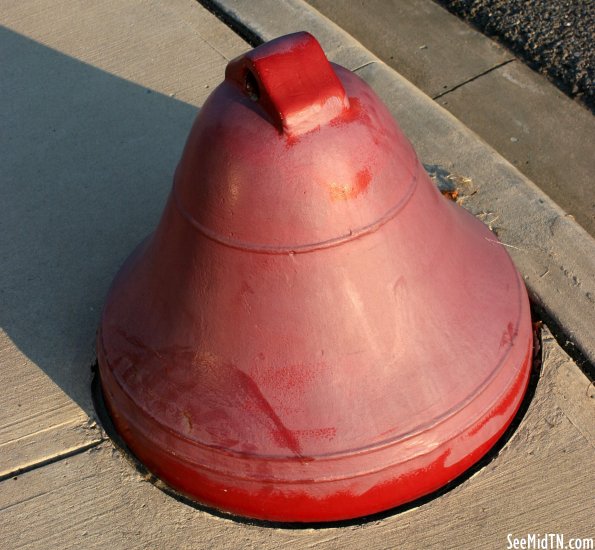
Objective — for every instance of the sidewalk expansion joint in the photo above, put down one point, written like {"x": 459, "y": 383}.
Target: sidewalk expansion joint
{"x": 51, "y": 460}
{"x": 442, "y": 94}
{"x": 363, "y": 65}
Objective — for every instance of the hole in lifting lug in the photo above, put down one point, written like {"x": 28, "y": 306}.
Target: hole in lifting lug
{"x": 251, "y": 86}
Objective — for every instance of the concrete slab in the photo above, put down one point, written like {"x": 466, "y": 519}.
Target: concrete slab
{"x": 418, "y": 38}
{"x": 541, "y": 482}
{"x": 538, "y": 129}
{"x": 546, "y": 135}
{"x": 39, "y": 423}
{"x": 87, "y": 160}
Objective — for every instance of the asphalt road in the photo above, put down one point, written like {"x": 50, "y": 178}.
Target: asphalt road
{"x": 554, "y": 37}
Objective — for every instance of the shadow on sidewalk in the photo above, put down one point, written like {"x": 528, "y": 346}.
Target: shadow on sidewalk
{"x": 86, "y": 162}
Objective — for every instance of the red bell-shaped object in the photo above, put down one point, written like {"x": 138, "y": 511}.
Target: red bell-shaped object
{"x": 313, "y": 332}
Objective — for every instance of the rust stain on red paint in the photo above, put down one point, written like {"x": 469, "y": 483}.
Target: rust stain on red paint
{"x": 359, "y": 186}
{"x": 188, "y": 418}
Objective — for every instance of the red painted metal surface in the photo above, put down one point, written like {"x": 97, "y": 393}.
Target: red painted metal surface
{"x": 313, "y": 332}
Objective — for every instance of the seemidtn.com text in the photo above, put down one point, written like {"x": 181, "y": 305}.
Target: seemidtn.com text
{"x": 548, "y": 541}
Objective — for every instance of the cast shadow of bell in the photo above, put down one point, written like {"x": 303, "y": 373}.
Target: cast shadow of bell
{"x": 86, "y": 162}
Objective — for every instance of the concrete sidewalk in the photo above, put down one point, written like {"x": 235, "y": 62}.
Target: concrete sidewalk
{"x": 100, "y": 98}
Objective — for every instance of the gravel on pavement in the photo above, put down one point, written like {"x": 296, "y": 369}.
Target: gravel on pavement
{"x": 554, "y": 37}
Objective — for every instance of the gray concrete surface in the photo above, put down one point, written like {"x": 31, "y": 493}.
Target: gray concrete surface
{"x": 421, "y": 40}
{"x": 97, "y": 104}
{"x": 536, "y": 128}
{"x": 100, "y": 98}
{"x": 545, "y": 134}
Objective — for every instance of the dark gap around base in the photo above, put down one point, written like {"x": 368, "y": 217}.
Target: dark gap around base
{"x": 563, "y": 339}
{"x": 107, "y": 424}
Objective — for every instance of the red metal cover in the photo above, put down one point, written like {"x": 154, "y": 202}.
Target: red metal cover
{"x": 313, "y": 332}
